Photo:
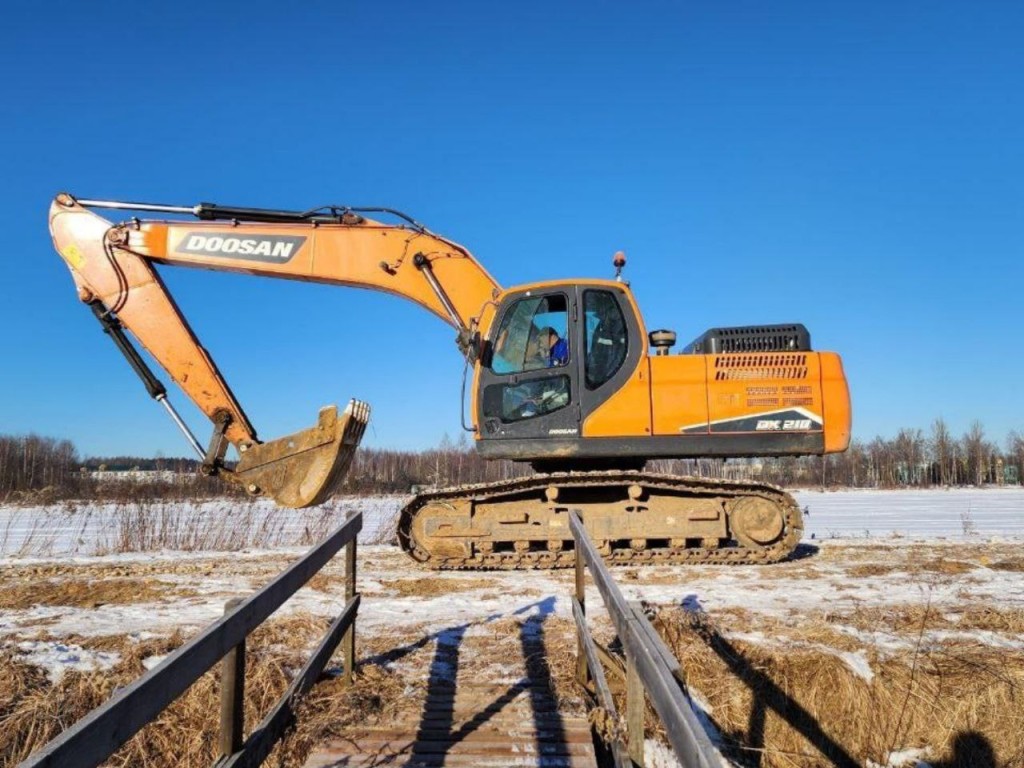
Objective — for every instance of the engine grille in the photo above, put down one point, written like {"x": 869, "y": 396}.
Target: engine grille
{"x": 745, "y": 367}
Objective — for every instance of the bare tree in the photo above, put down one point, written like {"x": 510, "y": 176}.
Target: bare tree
{"x": 34, "y": 463}
{"x": 976, "y": 452}
{"x": 941, "y": 445}
{"x": 908, "y": 453}
{"x": 1015, "y": 454}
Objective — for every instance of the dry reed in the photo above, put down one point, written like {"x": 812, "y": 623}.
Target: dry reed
{"x": 88, "y": 593}
{"x": 797, "y": 704}
{"x": 431, "y": 586}
{"x": 33, "y": 710}
{"x": 148, "y": 525}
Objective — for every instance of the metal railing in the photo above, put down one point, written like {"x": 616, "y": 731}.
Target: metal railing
{"x": 103, "y": 731}
{"x": 651, "y": 668}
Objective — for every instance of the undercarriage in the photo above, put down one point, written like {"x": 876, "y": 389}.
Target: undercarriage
{"x": 635, "y": 517}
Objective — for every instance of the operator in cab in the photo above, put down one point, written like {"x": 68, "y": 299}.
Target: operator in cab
{"x": 557, "y": 347}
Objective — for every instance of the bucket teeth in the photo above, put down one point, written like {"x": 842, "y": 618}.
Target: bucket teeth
{"x": 308, "y": 467}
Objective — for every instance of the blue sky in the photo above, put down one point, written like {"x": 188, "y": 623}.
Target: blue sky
{"x": 857, "y": 167}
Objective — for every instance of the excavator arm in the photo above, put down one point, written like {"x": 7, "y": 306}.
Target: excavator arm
{"x": 112, "y": 266}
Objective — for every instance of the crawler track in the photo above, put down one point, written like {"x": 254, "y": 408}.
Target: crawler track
{"x": 637, "y": 518}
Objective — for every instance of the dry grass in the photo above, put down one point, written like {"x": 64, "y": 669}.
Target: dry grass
{"x": 796, "y": 705}
{"x": 27, "y": 533}
{"x": 937, "y": 565}
{"x": 329, "y": 580}
{"x": 88, "y": 593}
{"x": 199, "y": 568}
{"x": 948, "y": 567}
{"x": 158, "y": 526}
{"x": 1006, "y": 620}
{"x": 431, "y": 586}
{"x": 928, "y": 693}
{"x": 909, "y": 552}
{"x": 868, "y": 570}
{"x": 1015, "y": 564}
{"x": 331, "y": 708}
{"x": 33, "y": 710}
{"x": 896, "y": 619}
{"x": 560, "y": 647}
{"x": 332, "y": 579}
{"x": 147, "y": 525}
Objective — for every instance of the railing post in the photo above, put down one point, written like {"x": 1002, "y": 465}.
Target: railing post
{"x": 349, "y": 641}
{"x": 581, "y": 587}
{"x": 634, "y": 712}
{"x": 232, "y": 693}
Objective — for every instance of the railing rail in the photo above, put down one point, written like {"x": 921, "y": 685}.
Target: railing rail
{"x": 103, "y": 731}
{"x": 650, "y": 667}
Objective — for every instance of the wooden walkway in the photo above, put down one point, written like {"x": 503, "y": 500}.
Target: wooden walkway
{"x": 481, "y": 725}
{"x": 501, "y": 716}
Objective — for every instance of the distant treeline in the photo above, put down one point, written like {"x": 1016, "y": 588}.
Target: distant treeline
{"x": 136, "y": 464}
{"x": 34, "y": 468}
{"x": 41, "y": 468}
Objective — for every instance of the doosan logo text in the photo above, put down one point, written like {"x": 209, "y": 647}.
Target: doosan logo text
{"x": 271, "y": 248}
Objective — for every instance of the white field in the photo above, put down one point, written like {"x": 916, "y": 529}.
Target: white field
{"x": 844, "y": 530}
{"x": 919, "y": 515}
{"x": 90, "y": 529}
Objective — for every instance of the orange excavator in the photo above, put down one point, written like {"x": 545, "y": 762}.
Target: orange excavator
{"x": 566, "y": 377}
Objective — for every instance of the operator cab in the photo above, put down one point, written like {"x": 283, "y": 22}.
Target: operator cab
{"x": 558, "y": 353}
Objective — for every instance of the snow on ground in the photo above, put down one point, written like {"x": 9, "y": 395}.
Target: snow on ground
{"x": 81, "y": 528}
{"x": 952, "y": 512}
{"x": 400, "y": 597}
{"x": 903, "y": 758}
{"x": 863, "y": 550}
{"x": 57, "y": 658}
{"x": 836, "y": 519}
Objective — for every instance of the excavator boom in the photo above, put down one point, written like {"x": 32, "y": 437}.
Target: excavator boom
{"x": 112, "y": 266}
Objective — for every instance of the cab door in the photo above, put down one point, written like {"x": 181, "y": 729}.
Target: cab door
{"x": 614, "y": 393}
{"x": 529, "y": 380}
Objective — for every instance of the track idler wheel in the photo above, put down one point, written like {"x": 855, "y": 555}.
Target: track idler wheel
{"x": 439, "y": 529}
{"x": 756, "y": 522}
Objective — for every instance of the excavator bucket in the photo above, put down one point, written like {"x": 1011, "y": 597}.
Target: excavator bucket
{"x": 305, "y": 468}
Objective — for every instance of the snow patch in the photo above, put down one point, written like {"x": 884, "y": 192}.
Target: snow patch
{"x": 57, "y": 658}
{"x": 903, "y": 758}
{"x": 657, "y": 755}
{"x": 858, "y": 662}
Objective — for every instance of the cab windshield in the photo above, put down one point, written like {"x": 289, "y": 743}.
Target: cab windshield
{"x": 532, "y": 336}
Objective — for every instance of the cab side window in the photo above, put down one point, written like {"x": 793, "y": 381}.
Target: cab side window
{"x": 606, "y": 337}
{"x": 532, "y": 336}
{"x": 538, "y": 397}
